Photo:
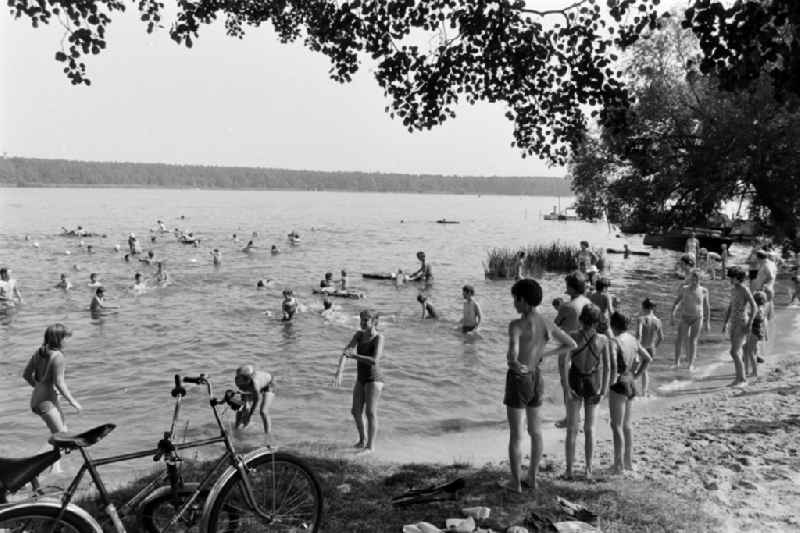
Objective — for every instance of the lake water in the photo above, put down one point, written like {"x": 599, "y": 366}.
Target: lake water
{"x": 212, "y": 320}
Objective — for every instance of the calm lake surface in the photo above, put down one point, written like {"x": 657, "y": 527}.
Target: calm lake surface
{"x": 212, "y": 320}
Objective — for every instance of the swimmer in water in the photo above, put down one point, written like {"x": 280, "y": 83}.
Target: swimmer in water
{"x": 216, "y": 257}
{"x": 289, "y": 305}
{"x": 8, "y": 288}
{"x": 327, "y": 283}
{"x": 138, "y": 284}
{"x": 274, "y": 250}
{"x": 160, "y": 276}
{"x": 117, "y": 248}
{"x": 472, "y": 311}
{"x": 64, "y": 284}
{"x": 428, "y": 310}
{"x": 89, "y": 249}
{"x": 149, "y": 258}
{"x": 126, "y": 258}
{"x": 258, "y": 391}
{"x": 93, "y": 282}
{"x": 343, "y": 281}
{"x": 399, "y": 278}
{"x": 248, "y": 247}
{"x": 99, "y": 303}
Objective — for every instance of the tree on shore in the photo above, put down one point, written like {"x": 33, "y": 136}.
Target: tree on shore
{"x": 688, "y": 146}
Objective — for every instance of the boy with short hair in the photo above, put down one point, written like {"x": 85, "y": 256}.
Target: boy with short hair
{"x": 428, "y": 311}
{"x": 64, "y": 283}
{"x": 289, "y": 306}
{"x": 99, "y": 303}
{"x": 258, "y": 391}
{"x": 472, "y": 311}
{"x": 650, "y": 335}
{"x": 527, "y": 337}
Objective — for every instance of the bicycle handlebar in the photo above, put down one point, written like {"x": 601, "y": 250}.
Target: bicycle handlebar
{"x": 178, "y": 390}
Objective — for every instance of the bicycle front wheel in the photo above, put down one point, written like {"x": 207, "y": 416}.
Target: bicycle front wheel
{"x": 42, "y": 518}
{"x": 286, "y": 491}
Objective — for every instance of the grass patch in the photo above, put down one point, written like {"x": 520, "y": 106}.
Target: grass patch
{"x": 501, "y": 263}
{"x": 623, "y": 505}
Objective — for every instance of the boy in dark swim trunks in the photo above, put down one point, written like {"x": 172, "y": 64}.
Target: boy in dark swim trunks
{"x": 527, "y": 337}
{"x": 757, "y": 333}
{"x": 258, "y": 390}
{"x": 584, "y": 378}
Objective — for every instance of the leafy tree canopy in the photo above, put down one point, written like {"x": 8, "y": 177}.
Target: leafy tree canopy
{"x": 687, "y": 145}
{"x": 545, "y": 72}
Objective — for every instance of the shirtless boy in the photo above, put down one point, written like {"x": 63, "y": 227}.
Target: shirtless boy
{"x": 258, "y": 390}
{"x": 527, "y": 337}
{"x": 98, "y": 302}
{"x": 64, "y": 283}
{"x": 472, "y": 311}
{"x": 695, "y": 313}
{"x": 289, "y": 305}
{"x": 8, "y": 288}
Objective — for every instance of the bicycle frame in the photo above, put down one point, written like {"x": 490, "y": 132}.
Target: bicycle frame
{"x": 226, "y": 466}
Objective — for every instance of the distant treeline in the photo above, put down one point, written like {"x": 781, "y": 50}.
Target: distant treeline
{"x": 26, "y": 172}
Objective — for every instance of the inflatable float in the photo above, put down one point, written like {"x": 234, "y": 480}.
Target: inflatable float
{"x": 629, "y": 252}
{"x": 338, "y": 293}
{"x": 385, "y": 276}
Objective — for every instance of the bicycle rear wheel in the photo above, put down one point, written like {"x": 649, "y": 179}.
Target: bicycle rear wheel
{"x": 284, "y": 488}
{"x": 41, "y": 519}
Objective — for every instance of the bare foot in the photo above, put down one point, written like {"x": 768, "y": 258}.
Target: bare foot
{"x": 359, "y": 444}
{"x": 365, "y": 451}
{"x": 740, "y": 384}
{"x": 561, "y": 423}
{"x": 510, "y": 486}
{"x": 588, "y": 473}
{"x": 529, "y": 484}
{"x": 691, "y": 368}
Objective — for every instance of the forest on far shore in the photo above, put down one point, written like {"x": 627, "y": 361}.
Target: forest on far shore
{"x": 29, "y": 172}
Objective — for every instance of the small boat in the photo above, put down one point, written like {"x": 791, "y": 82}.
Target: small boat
{"x": 445, "y": 221}
{"x": 339, "y": 293}
{"x": 711, "y": 240}
{"x": 555, "y": 214}
{"x": 627, "y": 252}
{"x": 187, "y": 240}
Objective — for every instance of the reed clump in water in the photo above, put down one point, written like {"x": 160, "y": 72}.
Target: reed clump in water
{"x": 501, "y": 263}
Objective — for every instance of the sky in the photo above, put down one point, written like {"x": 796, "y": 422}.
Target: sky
{"x": 229, "y": 102}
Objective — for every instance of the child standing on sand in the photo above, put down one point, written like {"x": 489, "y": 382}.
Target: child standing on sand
{"x": 758, "y": 333}
{"x": 368, "y": 344}
{"x": 472, "y": 311}
{"x": 650, "y": 335}
{"x": 527, "y": 337}
{"x": 738, "y": 320}
{"x": 628, "y": 360}
{"x": 587, "y": 372}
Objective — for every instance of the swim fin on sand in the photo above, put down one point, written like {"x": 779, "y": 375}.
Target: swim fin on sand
{"x": 446, "y": 491}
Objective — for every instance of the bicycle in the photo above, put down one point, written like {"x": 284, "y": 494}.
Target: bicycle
{"x": 264, "y": 490}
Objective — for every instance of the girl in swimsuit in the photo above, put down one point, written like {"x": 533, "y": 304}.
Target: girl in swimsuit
{"x": 586, "y": 372}
{"x": 756, "y": 334}
{"x": 629, "y": 360}
{"x": 739, "y": 320}
{"x": 45, "y": 373}
{"x": 368, "y": 344}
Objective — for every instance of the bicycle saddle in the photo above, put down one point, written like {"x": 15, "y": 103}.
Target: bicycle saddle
{"x": 81, "y": 440}
{"x": 14, "y": 473}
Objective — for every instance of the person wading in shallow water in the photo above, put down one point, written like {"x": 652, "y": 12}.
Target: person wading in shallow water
{"x": 45, "y": 373}
{"x": 368, "y": 344}
{"x": 695, "y": 313}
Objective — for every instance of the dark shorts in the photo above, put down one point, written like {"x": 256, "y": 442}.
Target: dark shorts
{"x": 625, "y": 386}
{"x": 467, "y": 329}
{"x": 524, "y": 390}
{"x": 753, "y": 274}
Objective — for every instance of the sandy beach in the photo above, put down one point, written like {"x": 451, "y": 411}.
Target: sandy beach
{"x": 732, "y": 453}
